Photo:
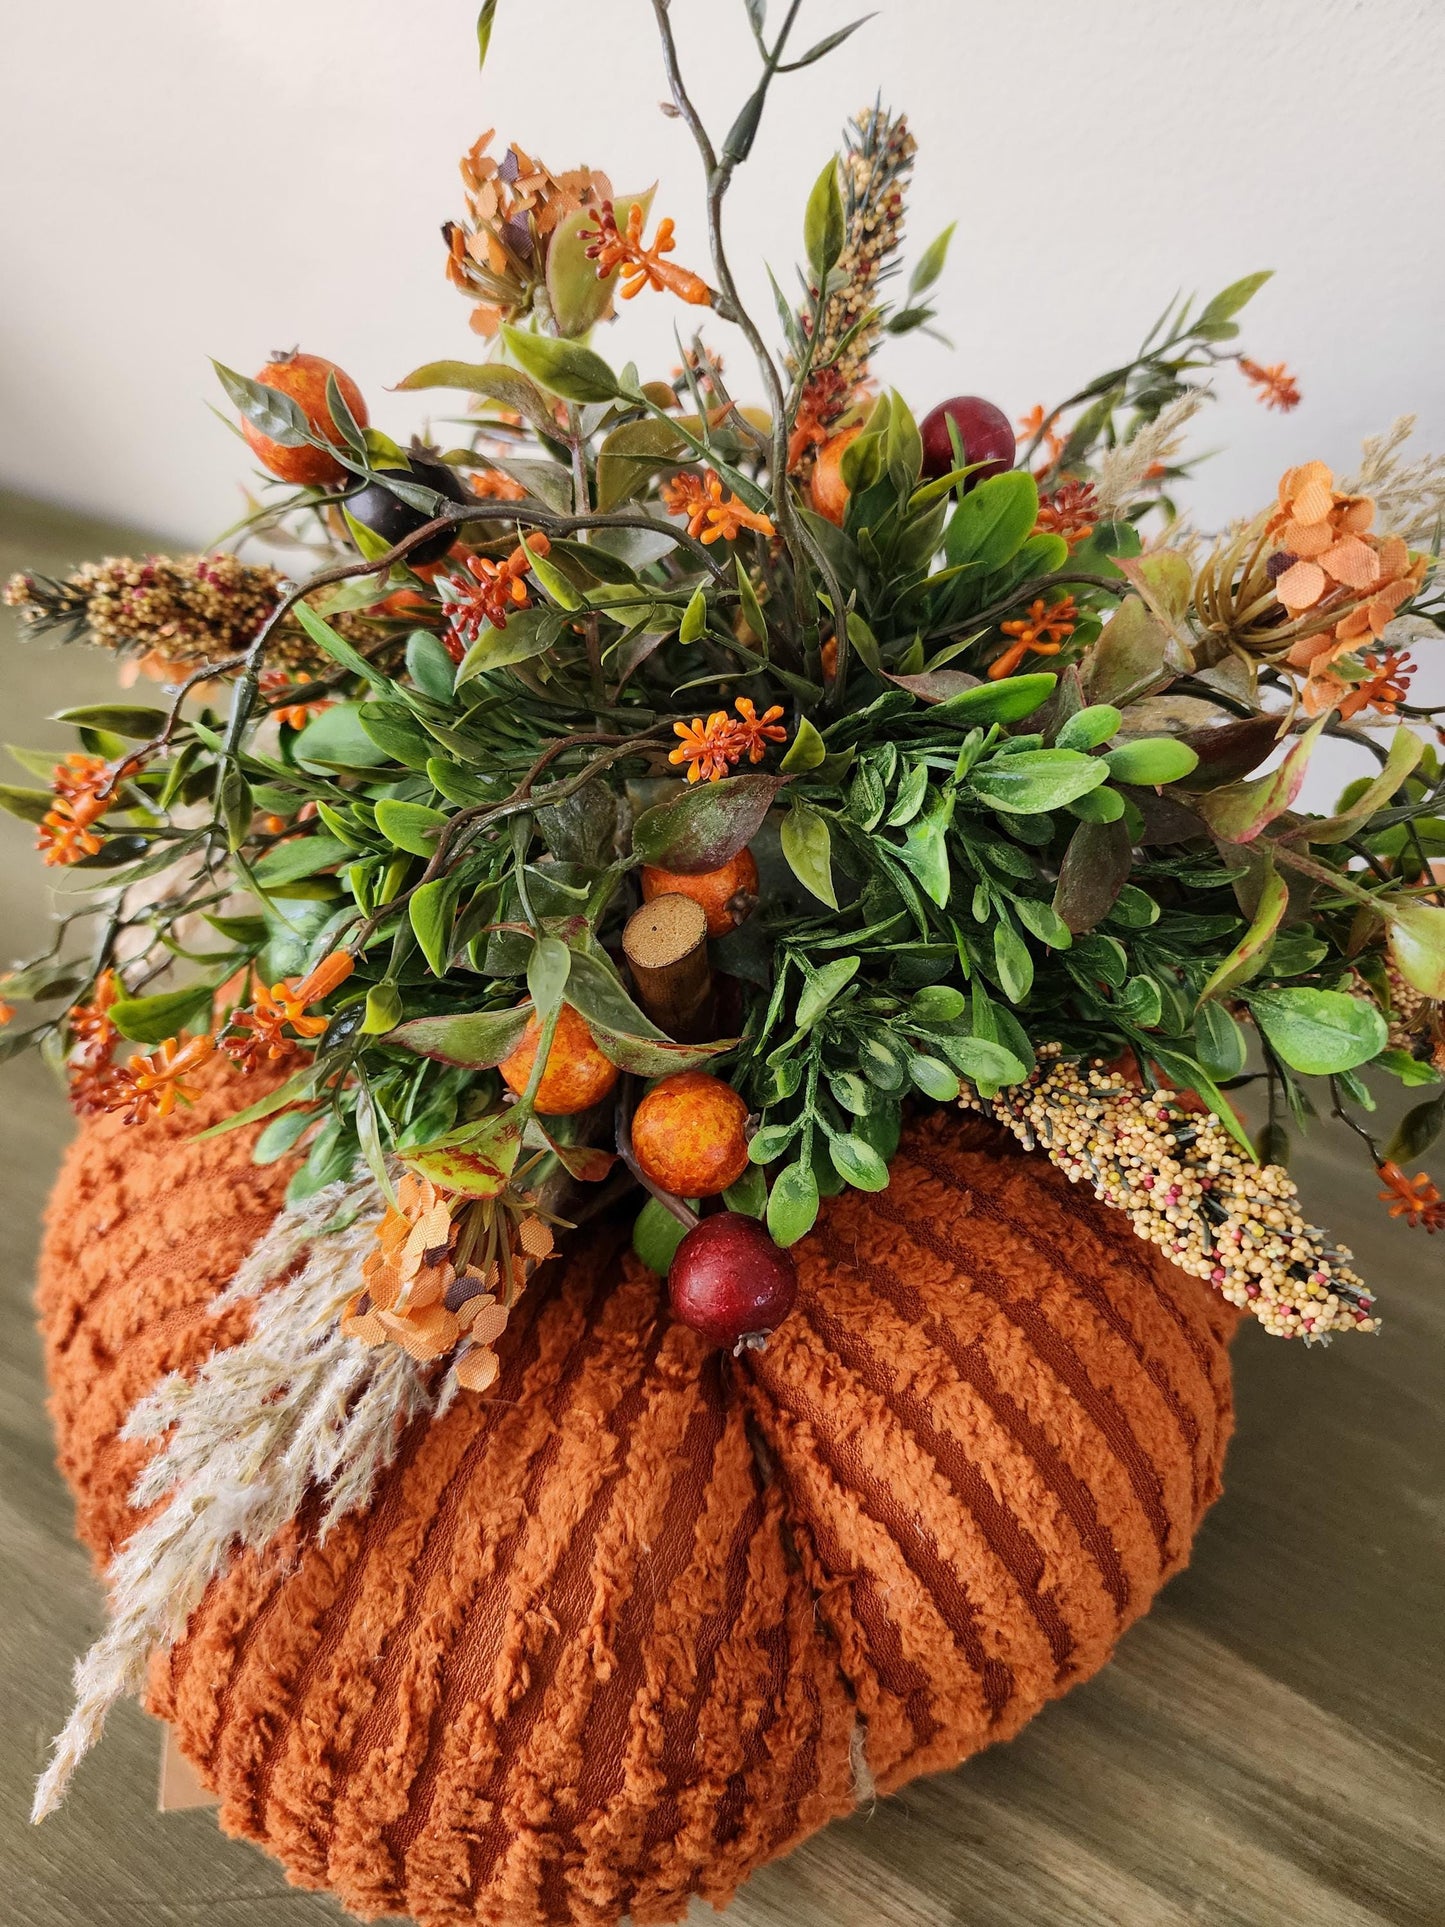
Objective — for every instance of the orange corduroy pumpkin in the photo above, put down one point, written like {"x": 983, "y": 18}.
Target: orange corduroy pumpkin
{"x": 629, "y": 1625}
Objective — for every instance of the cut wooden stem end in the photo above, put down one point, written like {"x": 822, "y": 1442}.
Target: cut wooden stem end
{"x": 665, "y": 944}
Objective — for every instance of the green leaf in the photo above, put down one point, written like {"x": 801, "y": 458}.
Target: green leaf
{"x": 484, "y": 30}
{"x": 807, "y": 845}
{"x": 280, "y": 1136}
{"x": 150, "y": 1020}
{"x": 477, "y": 1161}
{"x": 792, "y": 1204}
{"x": 656, "y": 1235}
{"x": 531, "y": 632}
{"x": 410, "y": 826}
{"x": 823, "y": 228}
{"x": 930, "y": 262}
{"x": 280, "y": 418}
{"x": 384, "y": 1008}
{"x": 857, "y": 1163}
{"x": 694, "y": 617}
{"x": 334, "y": 645}
{"x": 1008, "y": 700}
{"x": 1417, "y": 1131}
{"x": 982, "y": 1061}
{"x": 1319, "y": 1032}
{"x": 1238, "y": 812}
{"x": 1102, "y": 805}
{"x": 806, "y": 750}
{"x": 1406, "y": 749}
{"x": 336, "y": 739}
{"x": 937, "y": 1004}
{"x": 429, "y": 665}
{"x": 749, "y": 1195}
{"x": 1036, "y": 780}
{"x": 562, "y": 367}
{"x": 1228, "y": 302}
{"x": 770, "y": 1142}
{"x": 1013, "y": 963}
{"x": 31, "y": 805}
{"x": 1150, "y": 760}
{"x": 992, "y": 523}
{"x": 547, "y": 973}
{"x": 1134, "y": 654}
{"x": 430, "y": 911}
{"x": 706, "y": 824}
{"x": 508, "y": 387}
{"x": 822, "y": 987}
{"x": 1220, "y": 1041}
{"x": 925, "y": 847}
{"x": 236, "y": 805}
{"x": 302, "y": 856}
{"x": 631, "y": 455}
{"x": 475, "y": 1040}
{"x": 1248, "y": 955}
{"x": 126, "y": 719}
{"x": 1089, "y": 728}
{"x": 1417, "y": 942}
{"x": 934, "y": 1078}
{"x": 654, "y": 1056}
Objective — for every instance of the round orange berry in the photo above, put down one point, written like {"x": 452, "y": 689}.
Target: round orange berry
{"x": 303, "y": 378}
{"x": 689, "y": 1135}
{"x": 725, "y": 894}
{"x": 829, "y": 491}
{"x": 577, "y": 1074}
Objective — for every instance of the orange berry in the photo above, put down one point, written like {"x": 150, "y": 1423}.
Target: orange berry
{"x": 715, "y": 890}
{"x": 577, "y": 1074}
{"x": 829, "y": 490}
{"x": 689, "y": 1135}
{"x": 303, "y": 378}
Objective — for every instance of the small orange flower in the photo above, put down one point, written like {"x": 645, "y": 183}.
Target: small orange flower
{"x": 1417, "y": 1200}
{"x": 1030, "y": 425}
{"x": 274, "y": 684}
{"x": 81, "y": 784}
{"x": 706, "y": 747}
{"x": 710, "y": 513}
{"x": 642, "y": 267}
{"x": 754, "y": 732}
{"x": 1071, "y": 512}
{"x": 710, "y": 748}
{"x": 493, "y": 486}
{"x": 260, "y": 1029}
{"x": 7, "y": 1012}
{"x": 1387, "y": 684}
{"x": 153, "y": 1086}
{"x": 1042, "y": 632}
{"x": 1276, "y": 386}
{"x": 500, "y": 591}
{"x": 90, "y": 1024}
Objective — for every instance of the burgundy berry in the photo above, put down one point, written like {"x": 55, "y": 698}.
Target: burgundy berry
{"x": 729, "y": 1281}
{"x": 984, "y": 431}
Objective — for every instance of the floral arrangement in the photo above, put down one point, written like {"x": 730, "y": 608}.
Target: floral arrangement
{"x": 643, "y": 798}
{"x": 969, "y": 814}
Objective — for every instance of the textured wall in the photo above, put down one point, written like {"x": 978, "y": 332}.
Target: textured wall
{"x": 228, "y": 178}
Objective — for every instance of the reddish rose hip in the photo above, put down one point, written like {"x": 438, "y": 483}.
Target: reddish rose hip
{"x": 729, "y": 1281}
{"x": 985, "y": 432}
{"x": 303, "y": 378}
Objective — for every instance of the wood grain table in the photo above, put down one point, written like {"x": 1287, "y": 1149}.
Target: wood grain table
{"x": 1266, "y": 1750}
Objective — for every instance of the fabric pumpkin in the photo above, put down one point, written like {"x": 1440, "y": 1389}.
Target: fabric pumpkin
{"x": 643, "y": 1617}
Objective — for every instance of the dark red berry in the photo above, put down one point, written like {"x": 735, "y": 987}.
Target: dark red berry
{"x": 375, "y": 507}
{"x": 985, "y": 432}
{"x": 729, "y": 1281}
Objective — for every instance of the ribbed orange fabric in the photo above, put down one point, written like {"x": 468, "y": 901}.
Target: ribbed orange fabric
{"x": 605, "y": 1635}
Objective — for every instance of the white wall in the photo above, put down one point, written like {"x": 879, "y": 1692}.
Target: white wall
{"x": 187, "y": 180}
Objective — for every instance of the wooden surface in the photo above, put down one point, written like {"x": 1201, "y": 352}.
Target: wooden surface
{"x": 1268, "y": 1748}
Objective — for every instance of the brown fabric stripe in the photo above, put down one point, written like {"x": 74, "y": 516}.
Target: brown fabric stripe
{"x": 971, "y": 1363}
{"x": 1060, "y": 1358}
{"x": 946, "y": 1588}
{"x": 588, "y": 1338}
{"x": 568, "y": 1596}
{"x": 1088, "y": 1288}
{"x": 1010, "y": 1542}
